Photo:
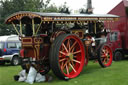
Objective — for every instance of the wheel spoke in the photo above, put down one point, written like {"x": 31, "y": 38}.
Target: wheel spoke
{"x": 62, "y": 48}
{"x": 65, "y": 47}
{"x": 73, "y": 50}
{"x": 74, "y": 56}
{"x": 77, "y": 52}
{"x": 103, "y": 50}
{"x": 73, "y": 45}
{"x": 105, "y": 60}
{"x": 64, "y": 65}
{"x": 72, "y": 63}
{"x": 106, "y": 51}
{"x": 69, "y": 46}
{"x": 76, "y": 61}
{"x": 72, "y": 67}
{"x": 60, "y": 56}
{"x": 103, "y": 56}
{"x": 108, "y": 55}
{"x": 67, "y": 69}
{"x": 62, "y": 59}
{"x": 62, "y": 53}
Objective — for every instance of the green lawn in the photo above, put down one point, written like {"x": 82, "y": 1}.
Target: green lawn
{"x": 93, "y": 74}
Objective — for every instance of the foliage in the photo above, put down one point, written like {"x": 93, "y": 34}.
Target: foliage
{"x": 11, "y": 6}
{"x": 51, "y": 8}
{"x": 8, "y": 7}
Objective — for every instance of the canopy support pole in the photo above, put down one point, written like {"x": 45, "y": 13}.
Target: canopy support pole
{"x": 39, "y": 27}
{"x": 20, "y": 28}
{"x": 15, "y": 28}
{"x": 33, "y": 26}
{"x": 52, "y": 26}
{"x": 95, "y": 27}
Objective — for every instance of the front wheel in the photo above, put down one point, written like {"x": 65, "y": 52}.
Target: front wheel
{"x": 105, "y": 55}
{"x": 67, "y": 56}
{"x": 15, "y": 61}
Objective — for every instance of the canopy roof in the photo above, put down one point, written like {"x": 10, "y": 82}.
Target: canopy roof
{"x": 25, "y": 16}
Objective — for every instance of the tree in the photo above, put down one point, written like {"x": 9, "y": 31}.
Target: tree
{"x": 0, "y": 11}
{"x": 45, "y": 4}
{"x": 11, "y": 6}
{"x": 51, "y": 8}
{"x": 8, "y": 7}
{"x": 32, "y": 5}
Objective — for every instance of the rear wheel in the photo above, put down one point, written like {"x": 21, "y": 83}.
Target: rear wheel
{"x": 105, "y": 56}
{"x": 67, "y": 56}
{"x": 118, "y": 55}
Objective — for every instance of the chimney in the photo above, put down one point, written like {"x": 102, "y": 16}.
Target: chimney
{"x": 89, "y": 7}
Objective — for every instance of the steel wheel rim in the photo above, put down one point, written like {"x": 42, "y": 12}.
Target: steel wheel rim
{"x": 106, "y": 55}
{"x": 71, "y": 56}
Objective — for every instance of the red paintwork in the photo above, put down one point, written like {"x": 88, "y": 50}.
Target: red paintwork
{"x": 44, "y": 52}
{"x": 22, "y": 53}
{"x": 1, "y": 58}
{"x": 5, "y": 50}
{"x": 31, "y": 46}
{"x": 27, "y": 40}
{"x": 121, "y": 25}
{"x": 114, "y": 44}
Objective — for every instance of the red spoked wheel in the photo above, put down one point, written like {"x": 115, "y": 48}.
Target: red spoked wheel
{"x": 67, "y": 56}
{"x": 105, "y": 55}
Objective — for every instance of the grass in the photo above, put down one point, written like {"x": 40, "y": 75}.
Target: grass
{"x": 93, "y": 74}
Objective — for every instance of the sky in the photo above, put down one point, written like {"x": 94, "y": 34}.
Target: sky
{"x": 99, "y": 6}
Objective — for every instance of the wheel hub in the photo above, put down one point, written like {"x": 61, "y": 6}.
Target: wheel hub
{"x": 70, "y": 56}
{"x": 106, "y": 54}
